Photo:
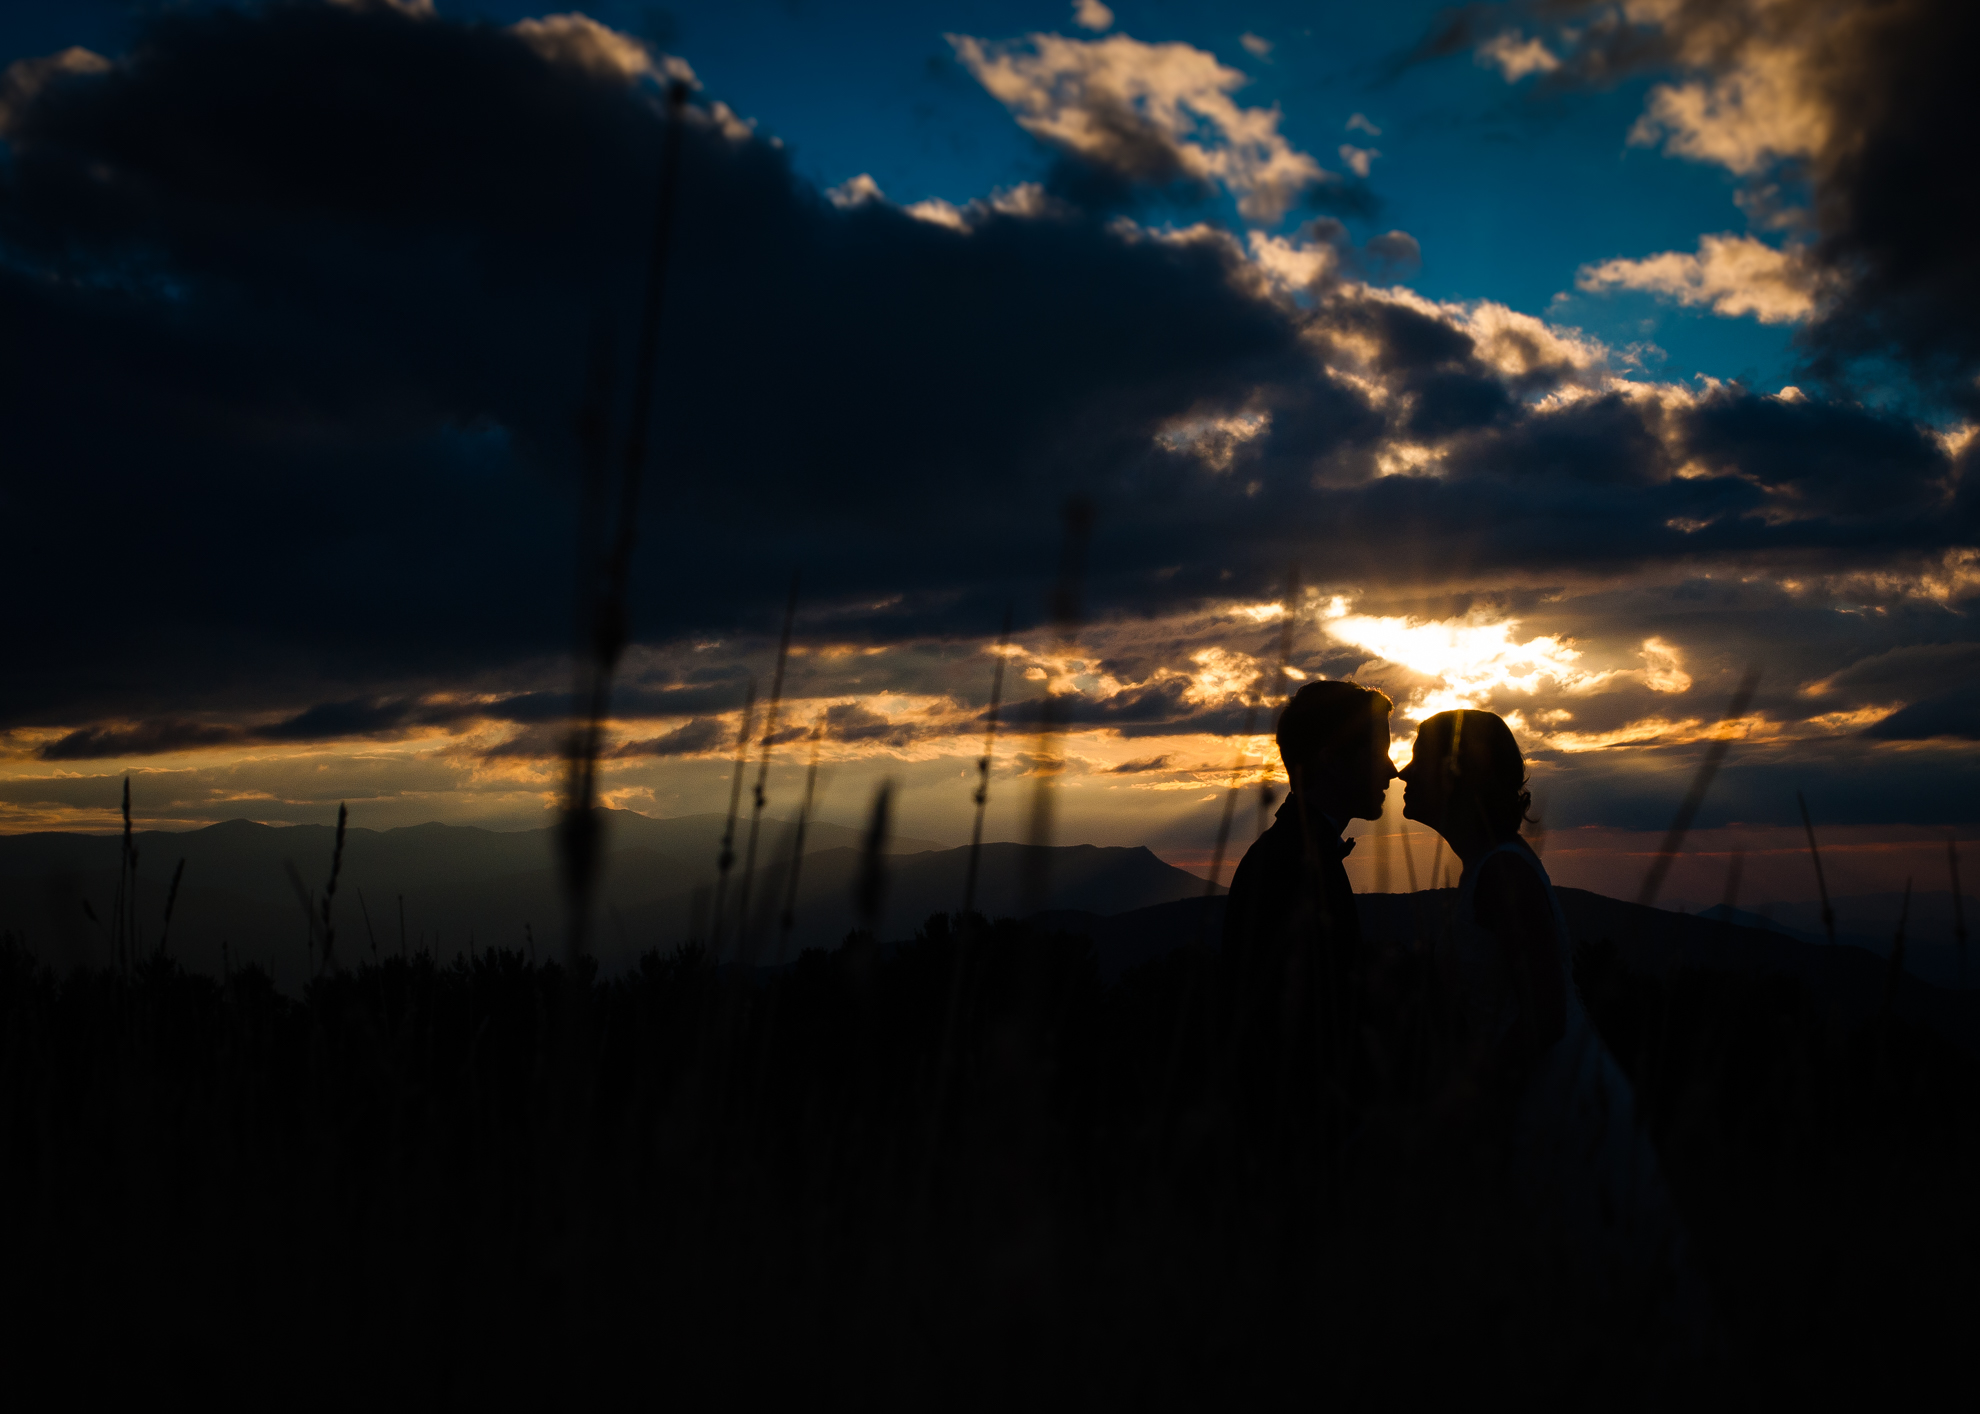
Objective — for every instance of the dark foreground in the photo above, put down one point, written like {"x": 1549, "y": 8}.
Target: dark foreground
{"x": 956, "y": 1175}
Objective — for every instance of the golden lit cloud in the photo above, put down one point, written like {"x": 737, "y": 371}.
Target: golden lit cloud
{"x": 1083, "y": 94}
{"x": 1731, "y": 275}
{"x": 1471, "y": 658}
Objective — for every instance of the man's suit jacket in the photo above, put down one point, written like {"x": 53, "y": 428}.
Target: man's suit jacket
{"x": 1290, "y": 966}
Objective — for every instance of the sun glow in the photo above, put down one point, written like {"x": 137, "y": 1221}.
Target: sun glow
{"x": 1471, "y": 657}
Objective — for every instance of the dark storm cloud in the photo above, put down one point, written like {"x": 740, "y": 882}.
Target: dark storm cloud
{"x": 1151, "y": 709}
{"x": 1949, "y": 714}
{"x": 1434, "y": 366}
{"x": 336, "y": 271}
{"x": 326, "y": 721}
{"x": 1908, "y": 672}
{"x": 298, "y": 305}
{"x": 700, "y": 734}
{"x": 851, "y": 722}
{"x": 389, "y": 717}
{"x": 1826, "y": 458}
{"x": 1896, "y": 204}
{"x": 1851, "y": 782}
{"x": 145, "y": 739}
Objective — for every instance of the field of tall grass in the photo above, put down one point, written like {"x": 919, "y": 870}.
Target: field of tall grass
{"x": 956, "y": 1169}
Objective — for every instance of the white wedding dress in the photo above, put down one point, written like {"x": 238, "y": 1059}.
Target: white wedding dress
{"x": 1580, "y": 1166}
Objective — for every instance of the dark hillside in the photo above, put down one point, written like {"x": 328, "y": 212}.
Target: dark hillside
{"x": 953, "y": 1172}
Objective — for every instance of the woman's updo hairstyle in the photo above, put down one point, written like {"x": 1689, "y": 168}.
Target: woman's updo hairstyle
{"x": 1482, "y": 764}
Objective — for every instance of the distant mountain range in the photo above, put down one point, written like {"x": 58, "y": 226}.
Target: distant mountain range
{"x": 462, "y": 885}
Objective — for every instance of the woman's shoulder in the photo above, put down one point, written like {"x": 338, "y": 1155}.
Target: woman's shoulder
{"x": 1511, "y": 886}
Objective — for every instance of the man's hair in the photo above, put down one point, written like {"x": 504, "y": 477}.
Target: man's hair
{"x": 1326, "y": 717}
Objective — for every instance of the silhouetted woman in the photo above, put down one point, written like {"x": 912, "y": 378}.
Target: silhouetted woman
{"x": 1526, "y": 1057}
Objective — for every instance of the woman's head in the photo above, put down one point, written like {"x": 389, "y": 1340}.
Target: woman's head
{"x": 1466, "y": 772}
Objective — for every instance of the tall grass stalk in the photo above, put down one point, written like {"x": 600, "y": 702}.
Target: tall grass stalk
{"x": 871, "y": 891}
{"x": 982, "y": 795}
{"x": 125, "y": 906}
{"x": 1652, "y": 1054}
{"x": 1734, "y": 868}
{"x": 581, "y": 826}
{"x": 968, "y": 920}
{"x": 1821, "y": 880}
{"x": 1036, "y": 886}
{"x": 1290, "y": 607}
{"x": 171, "y": 899}
{"x": 788, "y": 918}
{"x": 1653, "y": 878}
{"x": 759, "y": 799}
{"x": 725, "y": 859}
{"x": 330, "y": 891}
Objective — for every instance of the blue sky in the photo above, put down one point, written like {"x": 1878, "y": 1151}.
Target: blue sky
{"x": 1508, "y": 195}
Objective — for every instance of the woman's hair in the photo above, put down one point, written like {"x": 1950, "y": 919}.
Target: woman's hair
{"x": 1482, "y": 763}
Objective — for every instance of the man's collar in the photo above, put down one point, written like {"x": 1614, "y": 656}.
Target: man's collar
{"x": 1314, "y": 815}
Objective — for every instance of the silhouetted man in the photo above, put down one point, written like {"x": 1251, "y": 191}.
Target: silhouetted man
{"x": 1291, "y": 954}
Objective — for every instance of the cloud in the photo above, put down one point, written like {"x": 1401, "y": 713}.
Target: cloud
{"x": 1150, "y": 114}
{"x": 1909, "y": 671}
{"x": 1358, "y": 159}
{"x": 1091, "y": 14}
{"x": 1732, "y": 275}
{"x": 1257, "y": 46}
{"x": 328, "y": 721}
{"x": 1360, "y": 122}
{"x": 1141, "y": 765}
{"x": 23, "y": 81}
{"x": 855, "y": 722}
{"x": 580, "y": 42}
{"x": 1754, "y": 112}
{"x": 1516, "y": 56}
{"x": 855, "y": 191}
{"x": 141, "y": 739}
{"x": 701, "y": 735}
{"x": 1946, "y": 714}
{"x": 1465, "y": 660}
{"x": 1848, "y": 119}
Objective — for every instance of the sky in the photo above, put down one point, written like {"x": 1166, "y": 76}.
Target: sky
{"x": 1567, "y": 360}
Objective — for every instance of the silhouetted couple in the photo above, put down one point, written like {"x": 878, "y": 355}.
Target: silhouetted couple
{"x": 1473, "y": 1028}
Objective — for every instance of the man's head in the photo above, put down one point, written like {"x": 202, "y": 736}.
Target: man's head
{"x": 1334, "y": 739}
